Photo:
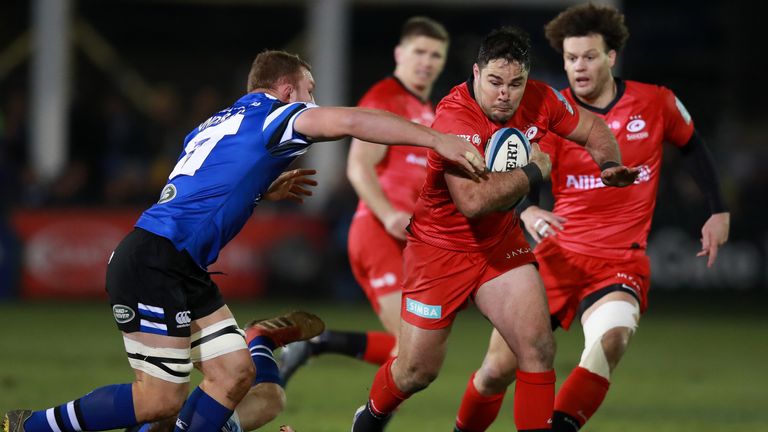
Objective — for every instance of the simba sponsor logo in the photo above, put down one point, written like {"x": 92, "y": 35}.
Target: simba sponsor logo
{"x": 423, "y": 310}
{"x": 416, "y": 160}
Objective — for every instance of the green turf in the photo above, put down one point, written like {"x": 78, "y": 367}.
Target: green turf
{"x": 690, "y": 368}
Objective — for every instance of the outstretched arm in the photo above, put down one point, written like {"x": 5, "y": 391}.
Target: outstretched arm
{"x": 329, "y": 123}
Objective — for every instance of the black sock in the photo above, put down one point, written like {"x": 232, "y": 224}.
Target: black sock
{"x": 562, "y": 422}
{"x": 367, "y": 421}
{"x": 351, "y": 344}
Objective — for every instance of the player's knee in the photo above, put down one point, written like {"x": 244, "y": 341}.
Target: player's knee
{"x": 264, "y": 402}
{"x": 274, "y": 402}
{"x": 538, "y": 353}
{"x": 615, "y": 343}
{"x": 606, "y": 336}
{"x": 152, "y": 403}
{"x": 239, "y": 379}
{"x": 418, "y": 377}
{"x": 493, "y": 378}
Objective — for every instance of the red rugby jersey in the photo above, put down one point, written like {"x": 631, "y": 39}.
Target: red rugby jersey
{"x": 436, "y": 220}
{"x": 402, "y": 171}
{"x": 614, "y": 222}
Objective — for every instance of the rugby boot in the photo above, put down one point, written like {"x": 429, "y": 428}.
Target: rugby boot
{"x": 294, "y": 356}
{"x": 282, "y": 330}
{"x": 365, "y": 420}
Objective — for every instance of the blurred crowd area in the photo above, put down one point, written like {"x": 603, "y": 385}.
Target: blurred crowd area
{"x": 192, "y": 59}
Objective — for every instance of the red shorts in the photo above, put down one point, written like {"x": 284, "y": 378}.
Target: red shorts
{"x": 376, "y": 258}
{"x": 439, "y": 282}
{"x": 569, "y": 277}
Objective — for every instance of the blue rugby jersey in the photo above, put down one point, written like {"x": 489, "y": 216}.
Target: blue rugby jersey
{"x": 227, "y": 164}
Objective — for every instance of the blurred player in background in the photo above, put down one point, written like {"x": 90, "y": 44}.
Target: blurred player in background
{"x": 463, "y": 243}
{"x": 388, "y": 181}
{"x": 171, "y": 313}
{"x": 592, "y": 246}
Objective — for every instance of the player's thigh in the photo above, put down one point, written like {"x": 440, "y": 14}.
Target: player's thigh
{"x": 421, "y": 349}
{"x": 516, "y": 305}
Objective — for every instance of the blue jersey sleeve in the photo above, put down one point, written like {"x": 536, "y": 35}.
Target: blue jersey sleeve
{"x": 282, "y": 140}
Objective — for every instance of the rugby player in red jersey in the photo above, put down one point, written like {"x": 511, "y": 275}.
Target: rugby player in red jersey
{"x": 388, "y": 181}
{"x": 591, "y": 253}
{"x": 463, "y": 244}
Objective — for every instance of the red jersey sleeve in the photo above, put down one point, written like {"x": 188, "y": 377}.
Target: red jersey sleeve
{"x": 462, "y": 124}
{"x": 563, "y": 116}
{"x": 678, "y": 125}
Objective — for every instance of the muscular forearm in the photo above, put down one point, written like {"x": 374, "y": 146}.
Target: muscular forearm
{"x": 497, "y": 192}
{"x": 386, "y": 128}
{"x": 330, "y": 123}
{"x": 601, "y": 144}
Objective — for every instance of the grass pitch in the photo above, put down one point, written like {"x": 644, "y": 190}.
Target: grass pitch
{"x": 691, "y": 367}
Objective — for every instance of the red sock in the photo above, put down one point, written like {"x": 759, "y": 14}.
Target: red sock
{"x": 385, "y": 397}
{"x": 477, "y": 411}
{"x": 378, "y": 347}
{"x": 534, "y": 400}
{"x": 581, "y": 394}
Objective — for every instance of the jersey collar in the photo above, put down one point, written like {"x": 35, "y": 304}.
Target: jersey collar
{"x": 397, "y": 80}
{"x": 620, "y": 88}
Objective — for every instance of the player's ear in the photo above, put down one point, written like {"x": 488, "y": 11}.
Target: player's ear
{"x": 611, "y": 58}
{"x": 286, "y": 92}
{"x": 476, "y": 72}
{"x": 398, "y": 53}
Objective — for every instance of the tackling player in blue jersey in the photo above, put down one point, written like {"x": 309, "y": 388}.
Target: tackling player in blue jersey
{"x": 171, "y": 313}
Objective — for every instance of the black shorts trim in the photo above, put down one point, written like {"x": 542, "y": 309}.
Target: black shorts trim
{"x": 602, "y": 292}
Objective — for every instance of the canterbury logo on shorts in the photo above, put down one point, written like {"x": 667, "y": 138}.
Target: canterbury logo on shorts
{"x": 423, "y": 310}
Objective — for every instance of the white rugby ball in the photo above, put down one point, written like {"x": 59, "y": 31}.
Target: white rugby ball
{"x": 507, "y": 149}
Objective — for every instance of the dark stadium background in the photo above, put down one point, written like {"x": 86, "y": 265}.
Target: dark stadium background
{"x": 192, "y": 58}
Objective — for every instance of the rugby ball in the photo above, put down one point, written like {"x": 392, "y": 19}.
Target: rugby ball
{"x": 507, "y": 149}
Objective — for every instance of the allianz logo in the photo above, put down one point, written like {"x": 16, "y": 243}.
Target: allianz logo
{"x": 588, "y": 182}
{"x": 423, "y": 310}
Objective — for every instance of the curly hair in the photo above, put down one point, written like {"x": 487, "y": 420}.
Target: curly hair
{"x": 585, "y": 20}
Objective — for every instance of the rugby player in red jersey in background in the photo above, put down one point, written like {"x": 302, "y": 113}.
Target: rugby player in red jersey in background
{"x": 463, "y": 244}
{"x": 592, "y": 246}
{"x": 388, "y": 181}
